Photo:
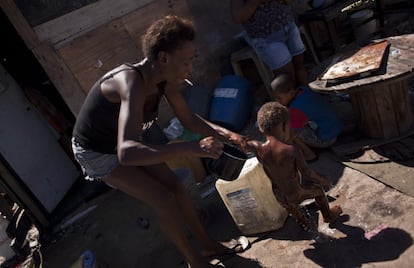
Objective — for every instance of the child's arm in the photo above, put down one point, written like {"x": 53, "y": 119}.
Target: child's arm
{"x": 253, "y": 146}
{"x": 310, "y": 173}
{"x": 307, "y": 152}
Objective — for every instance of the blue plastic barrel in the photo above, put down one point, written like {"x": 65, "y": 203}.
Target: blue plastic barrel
{"x": 232, "y": 102}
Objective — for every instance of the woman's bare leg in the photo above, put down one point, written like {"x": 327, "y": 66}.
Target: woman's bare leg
{"x": 137, "y": 182}
{"x": 209, "y": 246}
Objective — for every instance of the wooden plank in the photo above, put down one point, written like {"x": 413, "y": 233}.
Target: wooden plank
{"x": 407, "y": 152}
{"x": 391, "y": 152}
{"x": 37, "y": 12}
{"x": 402, "y": 107}
{"x": 405, "y": 41}
{"x": 369, "y": 122}
{"x": 369, "y": 156}
{"x": 398, "y": 67}
{"x": 61, "y": 77}
{"x": 56, "y": 69}
{"x": 106, "y": 46}
{"x": 20, "y": 23}
{"x": 138, "y": 20}
{"x": 385, "y": 110}
{"x": 22, "y": 197}
{"x": 409, "y": 142}
{"x": 74, "y": 24}
{"x": 347, "y": 149}
{"x": 354, "y": 97}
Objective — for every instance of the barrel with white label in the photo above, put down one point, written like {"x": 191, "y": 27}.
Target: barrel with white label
{"x": 232, "y": 102}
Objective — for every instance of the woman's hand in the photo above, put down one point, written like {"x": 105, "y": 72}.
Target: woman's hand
{"x": 211, "y": 147}
{"x": 238, "y": 139}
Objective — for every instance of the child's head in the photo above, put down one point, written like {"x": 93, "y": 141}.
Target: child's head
{"x": 283, "y": 87}
{"x": 271, "y": 115}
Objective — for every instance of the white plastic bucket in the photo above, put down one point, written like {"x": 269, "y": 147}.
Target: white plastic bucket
{"x": 363, "y": 30}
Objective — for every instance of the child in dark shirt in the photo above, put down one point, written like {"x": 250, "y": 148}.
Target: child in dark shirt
{"x": 312, "y": 119}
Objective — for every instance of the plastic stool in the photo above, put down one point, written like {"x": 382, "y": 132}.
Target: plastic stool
{"x": 247, "y": 53}
{"x": 308, "y": 42}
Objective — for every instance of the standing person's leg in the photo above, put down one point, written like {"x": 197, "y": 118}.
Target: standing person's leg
{"x": 140, "y": 184}
{"x": 300, "y": 217}
{"x": 329, "y": 214}
{"x": 301, "y": 75}
{"x": 317, "y": 192}
{"x": 287, "y": 69}
{"x": 297, "y": 50}
{"x": 275, "y": 52}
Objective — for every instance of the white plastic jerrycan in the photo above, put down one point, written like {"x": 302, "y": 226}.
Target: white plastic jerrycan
{"x": 250, "y": 200}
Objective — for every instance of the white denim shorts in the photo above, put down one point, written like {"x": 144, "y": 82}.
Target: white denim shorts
{"x": 95, "y": 166}
{"x": 278, "y": 49}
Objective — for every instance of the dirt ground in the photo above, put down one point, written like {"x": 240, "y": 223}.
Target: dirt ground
{"x": 375, "y": 231}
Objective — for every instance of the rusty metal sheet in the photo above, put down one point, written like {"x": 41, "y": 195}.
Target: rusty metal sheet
{"x": 366, "y": 60}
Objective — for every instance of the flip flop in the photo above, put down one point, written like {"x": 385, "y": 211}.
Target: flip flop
{"x": 234, "y": 246}
{"x": 238, "y": 245}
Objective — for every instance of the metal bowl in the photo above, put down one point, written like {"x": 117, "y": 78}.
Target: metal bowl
{"x": 229, "y": 165}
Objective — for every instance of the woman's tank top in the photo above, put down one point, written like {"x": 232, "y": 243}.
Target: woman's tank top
{"x": 96, "y": 127}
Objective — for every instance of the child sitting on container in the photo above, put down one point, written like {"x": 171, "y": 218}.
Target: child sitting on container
{"x": 312, "y": 119}
{"x": 286, "y": 167}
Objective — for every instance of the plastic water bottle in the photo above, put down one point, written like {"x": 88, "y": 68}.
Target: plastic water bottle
{"x": 88, "y": 259}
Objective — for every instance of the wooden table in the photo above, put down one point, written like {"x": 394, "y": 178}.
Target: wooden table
{"x": 381, "y": 102}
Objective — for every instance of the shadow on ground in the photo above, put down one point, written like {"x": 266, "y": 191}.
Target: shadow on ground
{"x": 355, "y": 249}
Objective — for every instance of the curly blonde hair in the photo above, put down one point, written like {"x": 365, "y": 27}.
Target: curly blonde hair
{"x": 270, "y": 115}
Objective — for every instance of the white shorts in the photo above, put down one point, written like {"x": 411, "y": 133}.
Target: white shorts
{"x": 277, "y": 49}
{"x": 95, "y": 166}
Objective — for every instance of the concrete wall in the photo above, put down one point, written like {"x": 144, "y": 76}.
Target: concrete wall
{"x": 79, "y": 46}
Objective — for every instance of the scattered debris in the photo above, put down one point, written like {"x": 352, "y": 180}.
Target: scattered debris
{"x": 369, "y": 235}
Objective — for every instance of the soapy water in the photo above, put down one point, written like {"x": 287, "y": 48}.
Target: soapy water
{"x": 312, "y": 228}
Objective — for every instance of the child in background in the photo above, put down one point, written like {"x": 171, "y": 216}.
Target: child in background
{"x": 312, "y": 119}
{"x": 285, "y": 166}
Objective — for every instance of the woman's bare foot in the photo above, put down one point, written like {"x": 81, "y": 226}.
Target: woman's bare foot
{"x": 334, "y": 214}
